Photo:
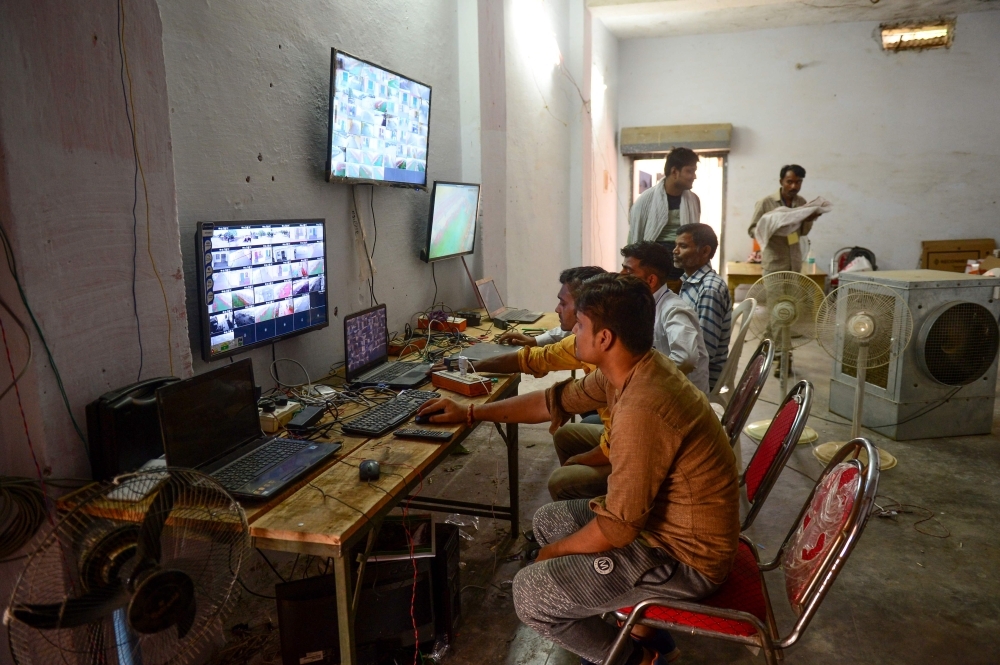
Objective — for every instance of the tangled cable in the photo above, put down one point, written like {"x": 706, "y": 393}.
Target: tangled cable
{"x": 22, "y": 511}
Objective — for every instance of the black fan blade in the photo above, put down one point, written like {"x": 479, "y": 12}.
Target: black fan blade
{"x": 156, "y": 518}
{"x": 164, "y": 598}
{"x": 74, "y": 612}
{"x": 186, "y": 619}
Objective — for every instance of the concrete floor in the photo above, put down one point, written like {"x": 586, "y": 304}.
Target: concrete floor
{"x": 904, "y": 597}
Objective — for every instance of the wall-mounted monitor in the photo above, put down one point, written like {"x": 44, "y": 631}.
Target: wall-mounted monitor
{"x": 379, "y": 125}
{"x": 451, "y": 223}
{"x": 259, "y": 282}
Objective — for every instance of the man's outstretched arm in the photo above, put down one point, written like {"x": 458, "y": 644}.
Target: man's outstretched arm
{"x": 529, "y": 408}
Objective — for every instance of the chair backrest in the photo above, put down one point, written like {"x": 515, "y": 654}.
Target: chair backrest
{"x": 776, "y": 447}
{"x": 828, "y": 528}
{"x": 747, "y": 390}
{"x": 722, "y": 393}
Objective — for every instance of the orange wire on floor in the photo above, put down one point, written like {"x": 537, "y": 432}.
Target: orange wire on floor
{"x": 145, "y": 192}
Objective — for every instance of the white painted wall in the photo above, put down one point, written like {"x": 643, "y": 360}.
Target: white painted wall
{"x": 609, "y": 200}
{"x": 66, "y": 194}
{"x": 250, "y": 78}
{"x": 543, "y": 110}
{"x": 904, "y": 145}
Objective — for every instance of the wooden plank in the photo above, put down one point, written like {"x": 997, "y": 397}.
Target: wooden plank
{"x": 663, "y": 138}
{"x": 327, "y": 514}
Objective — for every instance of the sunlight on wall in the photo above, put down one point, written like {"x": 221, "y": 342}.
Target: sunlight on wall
{"x": 536, "y": 35}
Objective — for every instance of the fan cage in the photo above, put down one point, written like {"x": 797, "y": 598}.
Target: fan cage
{"x": 880, "y": 304}
{"x": 790, "y": 288}
{"x": 959, "y": 343}
{"x": 206, "y": 536}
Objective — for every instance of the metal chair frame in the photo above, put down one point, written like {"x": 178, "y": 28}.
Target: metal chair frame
{"x": 742, "y": 312}
{"x": 803, "y": 393}
{"x": 766, "y": 348}
{"x": 768, "y": 637}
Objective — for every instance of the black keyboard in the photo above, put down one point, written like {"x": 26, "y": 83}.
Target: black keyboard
{"x": 245, "y": 469}
{"x": 429, "y": 434}
{"x": 384, "y": 417}
{"x": 387, "y": 373}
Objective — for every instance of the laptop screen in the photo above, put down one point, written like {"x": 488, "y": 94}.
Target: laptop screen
{"x": 206, "y": 416}
{"x": 365, "y": 340}
{"x": 490, "y": 296}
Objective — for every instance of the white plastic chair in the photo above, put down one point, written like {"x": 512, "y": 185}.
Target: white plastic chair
{"x": 723, "y": 390}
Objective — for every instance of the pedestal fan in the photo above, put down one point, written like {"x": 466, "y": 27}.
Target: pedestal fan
{"x": 862, "y": 325}
{"x": 141, "y": 569}
{"x": 787, "y": 303}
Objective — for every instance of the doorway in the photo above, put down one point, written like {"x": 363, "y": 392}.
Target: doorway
{"x": 710, "y": 186}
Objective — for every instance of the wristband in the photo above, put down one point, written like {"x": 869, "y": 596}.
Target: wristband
{"x": 470, "y": 417}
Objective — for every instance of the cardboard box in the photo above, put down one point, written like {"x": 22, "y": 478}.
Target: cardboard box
{"x": 951, "y": 255}
{"x": 988, "y": 264}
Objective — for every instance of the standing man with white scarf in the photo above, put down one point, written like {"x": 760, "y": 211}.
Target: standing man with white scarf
{"x": 661, "y": 210}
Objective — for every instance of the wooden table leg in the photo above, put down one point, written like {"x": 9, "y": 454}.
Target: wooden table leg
{"x": 513, "y": 481}
{"x": 345, "y": 614}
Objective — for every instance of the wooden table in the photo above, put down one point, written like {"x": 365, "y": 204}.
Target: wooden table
{"x": 333, "y": 511}
{"x": 327, "y": 512}
{"x": 738, "y": 273}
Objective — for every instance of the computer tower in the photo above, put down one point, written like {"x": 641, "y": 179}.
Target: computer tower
{"x": 307, "y": 621}
{"x": 123, "y": 428}
{"x": 447, "y": 582}
{"x": 307, "y": 614}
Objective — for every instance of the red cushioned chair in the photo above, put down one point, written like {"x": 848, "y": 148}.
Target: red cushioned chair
{"x": 815, "y": 550}
{"x": 747, "y": 391}
{"x": 775, "y": 448}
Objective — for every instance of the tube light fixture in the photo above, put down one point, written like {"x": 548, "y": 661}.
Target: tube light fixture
{"x": 917, "y": 36}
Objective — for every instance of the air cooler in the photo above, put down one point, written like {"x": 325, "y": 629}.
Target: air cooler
{"x": 944, "y": 383}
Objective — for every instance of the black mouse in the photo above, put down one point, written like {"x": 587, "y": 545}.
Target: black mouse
{"x": 426, "y": 417}
{"x": 368, "y": 470}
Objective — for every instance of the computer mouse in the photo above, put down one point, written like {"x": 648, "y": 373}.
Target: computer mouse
{"x": 368, "y": 470}
{"x": 426, "y": 417}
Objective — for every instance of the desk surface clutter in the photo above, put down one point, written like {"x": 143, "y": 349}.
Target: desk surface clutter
{"x": 328, "y": 508}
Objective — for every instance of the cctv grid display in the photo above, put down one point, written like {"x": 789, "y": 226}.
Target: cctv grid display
{"x": 260, "y": 281}
{"x": 366, "y": 337}
{"x": 379, "y": 124}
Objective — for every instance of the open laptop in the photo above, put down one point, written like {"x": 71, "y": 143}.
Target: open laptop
{"x": 491, "y": 301}
{"x": 366, "y": 347}
{"x": 210, "y": 423}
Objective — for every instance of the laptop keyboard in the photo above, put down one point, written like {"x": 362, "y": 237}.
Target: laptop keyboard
{"x": 515, "y": 314}
{"x": 245, "y": 469}
{"x": 384, "y": 417}
{"x": 387, "y": 373}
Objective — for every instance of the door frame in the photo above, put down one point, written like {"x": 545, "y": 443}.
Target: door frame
{"x": 724, "y": 155}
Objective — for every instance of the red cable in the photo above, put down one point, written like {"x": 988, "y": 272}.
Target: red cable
{"x": 20, "y": 406}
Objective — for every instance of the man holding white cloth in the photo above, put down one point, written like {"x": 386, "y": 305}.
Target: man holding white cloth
{"x": 779, "y": 221}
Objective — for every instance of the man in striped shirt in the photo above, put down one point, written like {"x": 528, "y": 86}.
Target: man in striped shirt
{"x": 705, "y": 292}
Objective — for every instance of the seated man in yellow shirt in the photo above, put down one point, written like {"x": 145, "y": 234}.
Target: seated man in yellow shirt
{"x": 571, "y": 480}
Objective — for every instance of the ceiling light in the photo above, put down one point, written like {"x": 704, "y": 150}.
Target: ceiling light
{"x": 917, "y": 36}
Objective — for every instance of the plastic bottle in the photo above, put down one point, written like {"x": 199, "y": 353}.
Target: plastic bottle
{"x": 810, "y": 263}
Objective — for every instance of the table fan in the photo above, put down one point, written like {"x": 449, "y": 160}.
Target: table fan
{"x": 862, "y": 325}
{"x": 787, "y": 303}
{"x": 137, "y": 570}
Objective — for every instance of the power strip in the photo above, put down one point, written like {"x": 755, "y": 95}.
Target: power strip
{"x": 273, "y": 422}
{"x": 452, "y": 324}
{"x": 469, "y": 385}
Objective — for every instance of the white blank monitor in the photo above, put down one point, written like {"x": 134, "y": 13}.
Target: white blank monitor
{"x": 451, "y": 227}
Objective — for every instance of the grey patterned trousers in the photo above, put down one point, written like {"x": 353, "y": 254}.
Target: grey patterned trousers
{"x": 563, "y": 599}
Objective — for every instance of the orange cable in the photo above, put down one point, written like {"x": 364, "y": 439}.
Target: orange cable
{"x": 145, "y": 194}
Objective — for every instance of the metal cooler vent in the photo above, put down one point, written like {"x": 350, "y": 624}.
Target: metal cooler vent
{"x": 959, "y": 343}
